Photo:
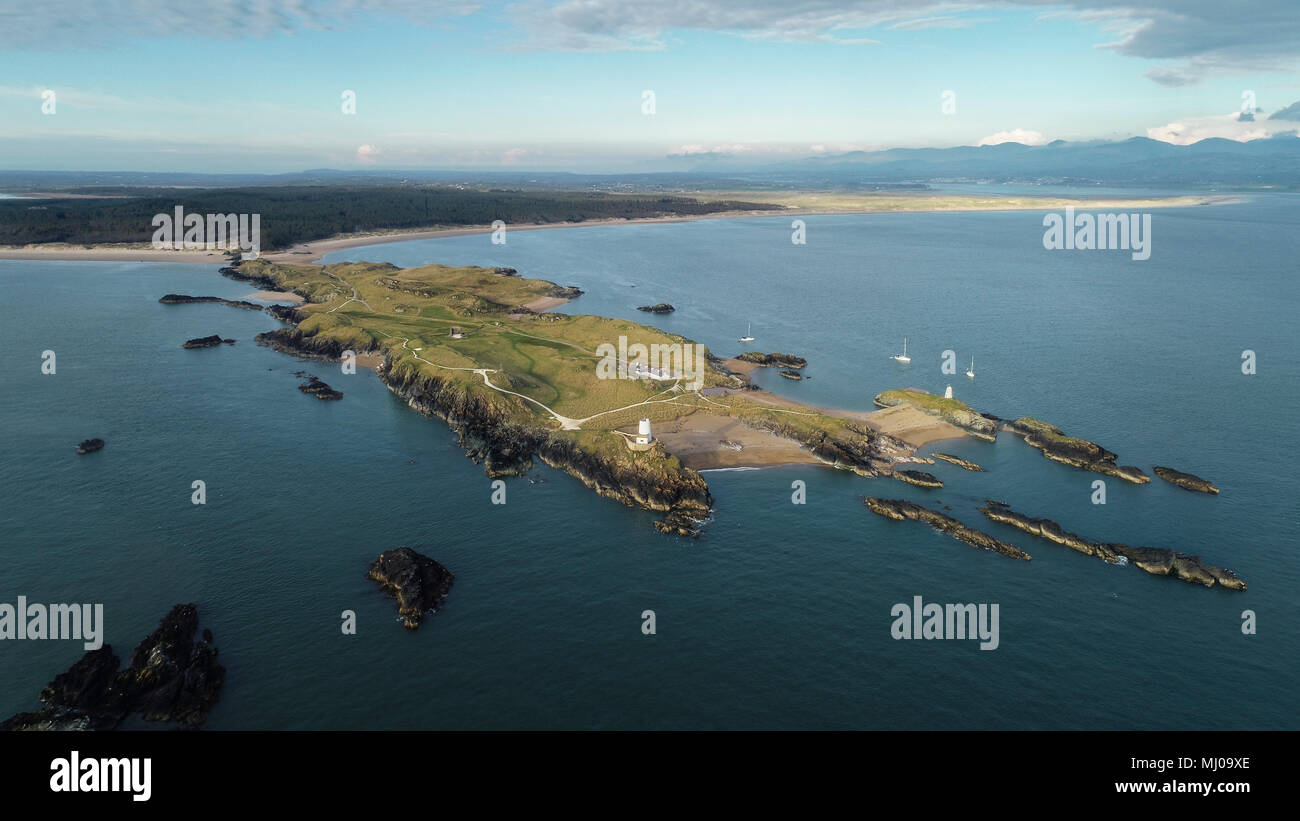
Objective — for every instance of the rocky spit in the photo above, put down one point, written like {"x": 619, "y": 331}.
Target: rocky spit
{"x": 1072, "y": 451}
{"x": 1188, "y": 481}
{"x": 918, "y": 477}
{"x": 1155, "y": 560}
{"x": 957, "y": 460}
{"x": 900, "y": 509}
{"x": 185, "y": 299}
{"x": 172, "y": 677}
{"x": 417, "y": 582}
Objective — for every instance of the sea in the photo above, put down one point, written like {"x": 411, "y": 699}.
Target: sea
{"x": 779, "y": 616}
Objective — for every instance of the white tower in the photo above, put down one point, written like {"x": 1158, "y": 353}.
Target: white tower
{"x": 643, "y": 436}
{"x": 947, "y": 394}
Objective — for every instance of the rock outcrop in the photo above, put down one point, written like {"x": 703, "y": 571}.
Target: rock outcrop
{"x": 417, "y": 582}
{"x": 172, "y": 677}
{"x": 795, "y": 375}
{"x": 900, "y": 509}
{"x": 957, "y": 460}
{"x": 1154, "y": 560}
{"x": 660, "y": 308}
{"x": 917, "y": 477}
{"x": 773, "y": 360}
{"x": 1072, "y": 451}
{"x": 207, "y": 342}
{"x": 313, "y": 386}
{"x": 185, "y": 299}
{"x": 1188, "y": 481}
{"x": 90, "y": 446}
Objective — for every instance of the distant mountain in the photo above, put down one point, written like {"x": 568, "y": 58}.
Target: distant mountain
{"x": 1291, "y": 112}
{"x": 1136, "y": 161}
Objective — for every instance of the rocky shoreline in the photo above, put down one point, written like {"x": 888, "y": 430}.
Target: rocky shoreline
{"x": 901, "y": 509}
{"x": 773, "y": 360}
{"x": 171, "y": 677}
{"x": 1154, "y": 560}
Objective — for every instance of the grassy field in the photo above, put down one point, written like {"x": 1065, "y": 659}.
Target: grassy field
{"x": 551, "y": 359}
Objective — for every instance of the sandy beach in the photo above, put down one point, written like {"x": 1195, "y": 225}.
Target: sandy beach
{"x": 697, "y": 440}
{"x": 795, "y": 205}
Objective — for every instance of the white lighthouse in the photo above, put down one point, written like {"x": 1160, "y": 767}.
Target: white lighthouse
{"x": 947, "y": 394}
{"x": 643, "y": 436}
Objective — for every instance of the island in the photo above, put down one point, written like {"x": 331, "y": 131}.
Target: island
{"x": 90, "y": 446}
{"x": 521, "y": 386}
{"x": 417, "y": 582}
{"x": 207, "y": 342}
{"x": 172, "y": 677}
{"x": 1069, "y": 450}
{"x": 661, "y": 308}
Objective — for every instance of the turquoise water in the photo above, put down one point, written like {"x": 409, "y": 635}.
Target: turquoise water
{"x": 779, "y": 615}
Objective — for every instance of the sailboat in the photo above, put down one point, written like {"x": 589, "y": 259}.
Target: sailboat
{"x": 902, "y": 357}
{"x": 748, "y": 329}
{"x": 971, "y": 370}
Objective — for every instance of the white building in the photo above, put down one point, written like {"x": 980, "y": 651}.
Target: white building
{"x": 643, "y": 436}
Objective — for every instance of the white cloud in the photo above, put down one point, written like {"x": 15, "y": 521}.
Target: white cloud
{"x": 1015, "y": 135}
{"x": 1195, "y": 129}
{"x": 513, "y": 155}
{"x": 367, "y": 154}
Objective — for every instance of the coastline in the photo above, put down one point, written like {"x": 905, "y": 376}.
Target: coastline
{"x": 312, "y": 251}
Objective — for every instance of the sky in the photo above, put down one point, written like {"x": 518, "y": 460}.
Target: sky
{"x": 617, "y": 86}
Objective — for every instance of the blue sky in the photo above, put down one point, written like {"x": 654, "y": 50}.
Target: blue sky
{"x": 242, "y": 86}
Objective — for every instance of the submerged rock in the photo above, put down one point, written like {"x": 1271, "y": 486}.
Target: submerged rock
{"x": 90, "y": 446}
{"x": 417, "y": 582}
{"x": 900, "y": 509}
{"x": 918, "y": 477}
{"x": 172, "y": 677}
{"x": 1154, "y": 560}
{"x": 1188, "y": 481}
{"x": 680, "y": 522}
{"x": 957, "y": 460}
{"x": 660, "y": 308}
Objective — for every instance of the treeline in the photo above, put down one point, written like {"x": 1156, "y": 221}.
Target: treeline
{"x": 294, "y": 214}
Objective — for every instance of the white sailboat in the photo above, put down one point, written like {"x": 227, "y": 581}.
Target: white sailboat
{"x": 902, "y": 357}
{"x": 971, "y": 370}
{"x": 748, "y": 330}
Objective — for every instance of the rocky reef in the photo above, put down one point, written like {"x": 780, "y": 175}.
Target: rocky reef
{"x": 90, "y": 446}
{"x": 660, "y": 308}
{"x": 172, "y": 677}
{"x": 314, "y": 386}
{"x": 185, "y": 299}
{"x": 951, "y": 411}
{"x": 795, "y": 375}
{"x": 207, "y": 342}
{"x": 773, "y": 360}
{"x": 1072, "y": 451}
{"x": 1154, "y": 560}
{"x": 917, "y": 477}
{"x": 900, "y": 509}
{"x": 1188, "y": 481}
{"x": 957, "y": 460}
{"x": 417, "y": 582}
